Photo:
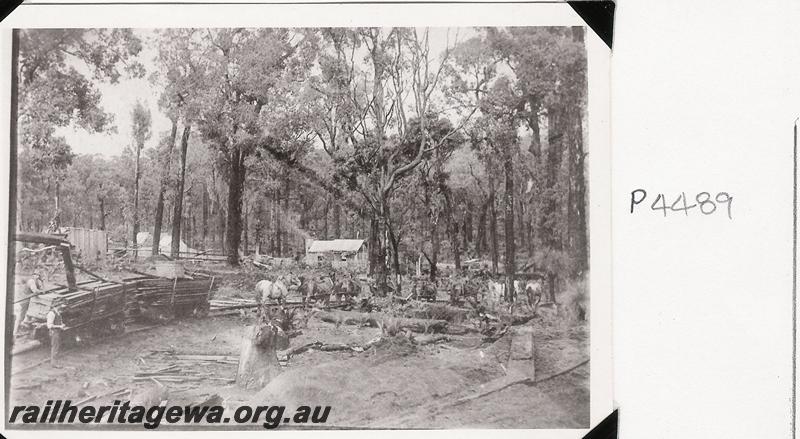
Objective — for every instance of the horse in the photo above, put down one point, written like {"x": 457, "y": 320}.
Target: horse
{"x": 347, "y": 288}
{"x": 315, "y": 289}
{"x": 272, "y": 291}
{"x": 532, "y": 292}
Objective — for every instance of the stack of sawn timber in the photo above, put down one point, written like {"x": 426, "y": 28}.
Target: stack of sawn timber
{"x": 92, "y": 301}
{"x": 169, "y": 294}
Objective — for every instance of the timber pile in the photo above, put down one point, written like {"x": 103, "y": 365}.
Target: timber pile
{"x": 132, "y": 310}
{"x": 231, "y": 303}
{"x": 153, "y": 292}
{"x": 183, "y": 368}
{"x": 93, "y": 300}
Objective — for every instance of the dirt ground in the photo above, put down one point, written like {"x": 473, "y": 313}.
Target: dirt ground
{"x": 396, "y": 384}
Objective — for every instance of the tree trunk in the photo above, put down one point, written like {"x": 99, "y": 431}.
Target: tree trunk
{"x": 57, "y": 216}
{"x": 480, "y": 238}
{"x": 520, "y": 221}
{"x": 269, "y": 238}
{"x": 549, "y": 219}
{"x": 235, "y": 192}
{"x": 259, "y": 226}
{"x": 192, "y": 230}
{"x": 579, "y": 175}
{"x": 373, "y": 244}
{"x": 452, "y": 226}
{"x": 456, "y": 248}
{"x": 205, "y": 216}
{"x": 377, "y": 265}
{"x": 278, "y": 248}
{"x": 535, "y": 147}
{"x": 467, "y": 225}
{"x": 376, "y": 320}
{"x": 325, "y": 220}
{"x": 220, "y": 222}
{"x": 581, "y": 237}
{"x": 157, "y": 223}
{"x": 510, "y": 237}
{"x": 395, "y": 242}
{"x": 102, "y": 213}
{"x": 435, "y": 247}
{"x": 187, "y": 229}
{"x": 258, "y": 360}
{"x": 136, "y": 175}
{"x": 177, "y": 214}
{"x": 337, "y": 220}
{"x": 551, "y": 282}
{"x": 245, "y": 227}
{"x": 304, "y": 209}
{"x": 493, "y": 231}
{"x": 286, "y": 245}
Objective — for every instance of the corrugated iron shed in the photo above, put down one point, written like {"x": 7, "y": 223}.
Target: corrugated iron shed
{"x": 336, "y": 245}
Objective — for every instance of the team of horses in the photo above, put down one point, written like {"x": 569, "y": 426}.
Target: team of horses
{"x": 312, "y": 289}
{"x": 343, "y": 287}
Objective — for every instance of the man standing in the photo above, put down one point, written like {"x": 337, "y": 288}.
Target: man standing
{"x": 55, "y": 324}
{"x": 22, "y": 298}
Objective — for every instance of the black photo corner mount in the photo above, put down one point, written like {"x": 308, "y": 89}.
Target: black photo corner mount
{"x": 6, "y": 8}
{"x": 606, "y": 429}
{"x": 598, "y": 15}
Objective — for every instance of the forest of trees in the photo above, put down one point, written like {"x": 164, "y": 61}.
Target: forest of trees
{"x": 469, "y": 148}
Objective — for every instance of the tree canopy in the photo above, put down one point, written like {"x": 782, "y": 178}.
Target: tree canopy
{"x": 434, "y": 145}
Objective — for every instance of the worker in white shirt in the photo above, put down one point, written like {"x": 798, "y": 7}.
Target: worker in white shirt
{"x": 22, "y": 298}
{"x": 55, "y": 324}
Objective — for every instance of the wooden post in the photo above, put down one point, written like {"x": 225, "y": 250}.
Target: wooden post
{"x": 172, "y": 297}
{"x": 68, "y": 267}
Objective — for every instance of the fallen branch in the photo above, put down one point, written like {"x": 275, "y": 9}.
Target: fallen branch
{"x": 435, "y": 338}
{"x": 563, "y": 372}
{"x": 29, "y": 347}
{"x": 511, "y": 380}
{"x": 132, "y": 331}
{"x": 331, "y": 347}
{"x": 102, "y": 395}
{"x": 226, "y": 313}
{"x": 200, "y": 357}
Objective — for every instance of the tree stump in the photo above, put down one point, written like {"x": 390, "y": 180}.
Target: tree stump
{"x": 258, "y": 360}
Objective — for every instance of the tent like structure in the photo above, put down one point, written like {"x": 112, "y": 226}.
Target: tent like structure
{"x": 144, "y": 241}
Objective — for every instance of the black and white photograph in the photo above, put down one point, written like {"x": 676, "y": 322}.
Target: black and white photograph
{"x": 369, "y": 227}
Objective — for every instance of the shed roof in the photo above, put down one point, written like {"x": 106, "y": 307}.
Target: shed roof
{"x": 336, "y": 245}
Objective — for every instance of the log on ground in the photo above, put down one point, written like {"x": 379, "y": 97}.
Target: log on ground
{"x": 377, "y": 320}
